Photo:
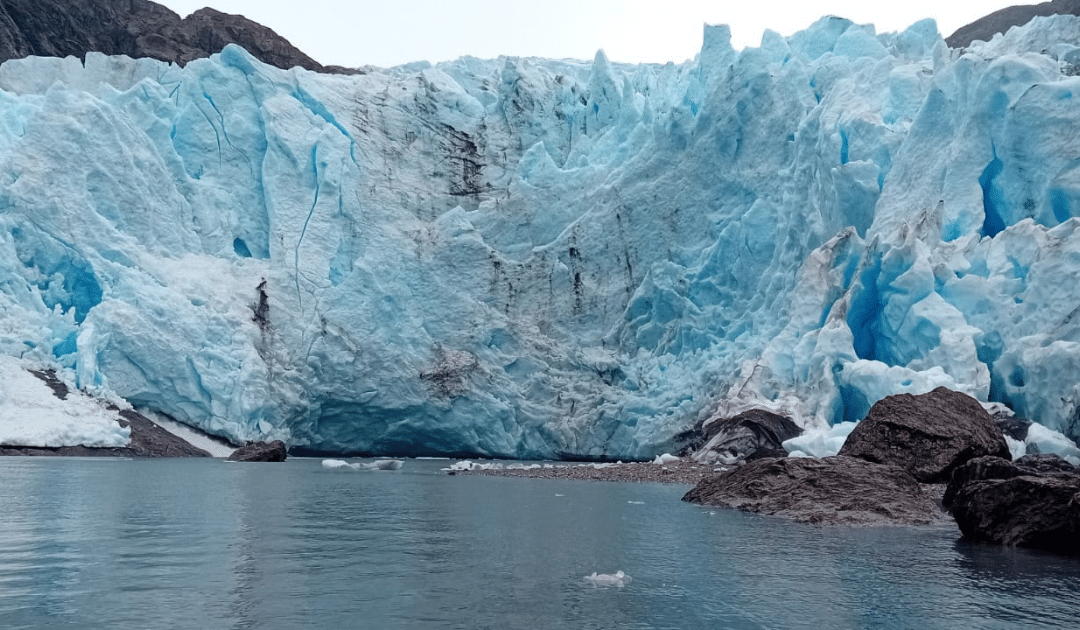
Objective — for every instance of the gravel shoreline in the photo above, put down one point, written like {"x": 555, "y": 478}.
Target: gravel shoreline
{"x": 683, "y": 472}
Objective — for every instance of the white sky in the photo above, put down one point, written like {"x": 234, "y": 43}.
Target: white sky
{"x": 388, "y": 32}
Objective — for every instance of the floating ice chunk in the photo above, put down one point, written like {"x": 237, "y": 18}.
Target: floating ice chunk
{"x": 1043, "y": 440}
{"x": 820, "y": 443}
{"x": 381, "y": 464}
{"x": 386, "y": 464}
{"x": 337, "y": 464}
{"x": 618, "y": 578}
{"x": 466, "y": 465}
{"x": 665, "y": 459}
{"x": 636, "y": 502}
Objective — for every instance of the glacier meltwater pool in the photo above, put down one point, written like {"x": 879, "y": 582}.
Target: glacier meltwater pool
{"x": 121, "y": 544}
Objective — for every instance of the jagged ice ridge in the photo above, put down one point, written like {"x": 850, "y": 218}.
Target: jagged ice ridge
{"x": 536, "y": 259}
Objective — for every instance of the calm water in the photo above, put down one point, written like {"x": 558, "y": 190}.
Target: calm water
{"x": 208, "y": 544}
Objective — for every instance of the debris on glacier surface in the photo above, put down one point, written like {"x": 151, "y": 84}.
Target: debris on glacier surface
{"x": 541, "y": 259}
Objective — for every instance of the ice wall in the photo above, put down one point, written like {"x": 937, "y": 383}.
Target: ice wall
{"x": 536, "y": 258}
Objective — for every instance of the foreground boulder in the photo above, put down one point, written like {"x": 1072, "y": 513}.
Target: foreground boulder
{"x": 1033, "y": 502}
{"x": 260, "y": 452}
{"x": 751, "y": 435}
{"x": 929, "y": 435}
{"x": 831, "y": 491}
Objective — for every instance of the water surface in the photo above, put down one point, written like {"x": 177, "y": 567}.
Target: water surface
{"x": 118, "y": 544}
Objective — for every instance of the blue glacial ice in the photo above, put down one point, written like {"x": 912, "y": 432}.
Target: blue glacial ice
{"x": 535, "y": 259}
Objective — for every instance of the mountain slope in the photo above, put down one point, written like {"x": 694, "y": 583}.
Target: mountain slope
{"x": 136, "y": 28}
{"x": 986, "y": 27}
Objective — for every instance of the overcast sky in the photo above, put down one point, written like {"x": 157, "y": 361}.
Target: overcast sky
{"x": 388, "y": 32}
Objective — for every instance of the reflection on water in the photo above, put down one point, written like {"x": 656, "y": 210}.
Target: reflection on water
{"x": 208, "y": 544}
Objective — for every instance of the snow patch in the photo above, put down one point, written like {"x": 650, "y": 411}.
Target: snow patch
{"x": 32, "y": 415}
{"x": 820, "y": 442}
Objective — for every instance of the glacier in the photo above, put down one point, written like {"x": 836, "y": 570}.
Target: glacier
{"x": 541, "y": 259}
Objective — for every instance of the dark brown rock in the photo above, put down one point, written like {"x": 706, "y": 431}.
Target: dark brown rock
{"x": 1032, "y": 502}
{"x": 979, "y": 469}
{"x": 1046, "y": 463}
{"x": 928, "y": 435}
{"x": 137, "y": 28}
{"x": 751, "y": 435}
{"x": 833, "y": 491}
{"x": 150, "y": 440}
{"x": 1012, "y": 426}
{"x": 260, "y": 452}
{"x": 1026, "y": 511}
{"x": 1001, "y": 21}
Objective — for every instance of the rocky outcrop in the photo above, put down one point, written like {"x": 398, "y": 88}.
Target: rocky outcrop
{"x": 1033, "y": 502}
{"x": 150, "y": 440}
{"x": 136, "y": 28}
{"x": 260, "y": 452}
{"x": 929, "y": 435}
{"x": 751, "y": 435}
{"x": 832, "y": 491}
{"x": 1001, "y": 21}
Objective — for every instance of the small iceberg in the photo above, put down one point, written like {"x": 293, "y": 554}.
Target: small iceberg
{"x": 466, "y": 465}
{"x": 618, "y": 579}
{"x": 665, "y": 459}
{"x": 386, "y": 464}
{"x": 380, "y": 464}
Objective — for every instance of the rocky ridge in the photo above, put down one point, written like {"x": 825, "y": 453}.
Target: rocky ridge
{"x": 1001, "y": 21}
{"x": 138, "y": 28}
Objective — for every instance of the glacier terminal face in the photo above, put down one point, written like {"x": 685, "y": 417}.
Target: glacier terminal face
{"x": 540, "y": 259}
